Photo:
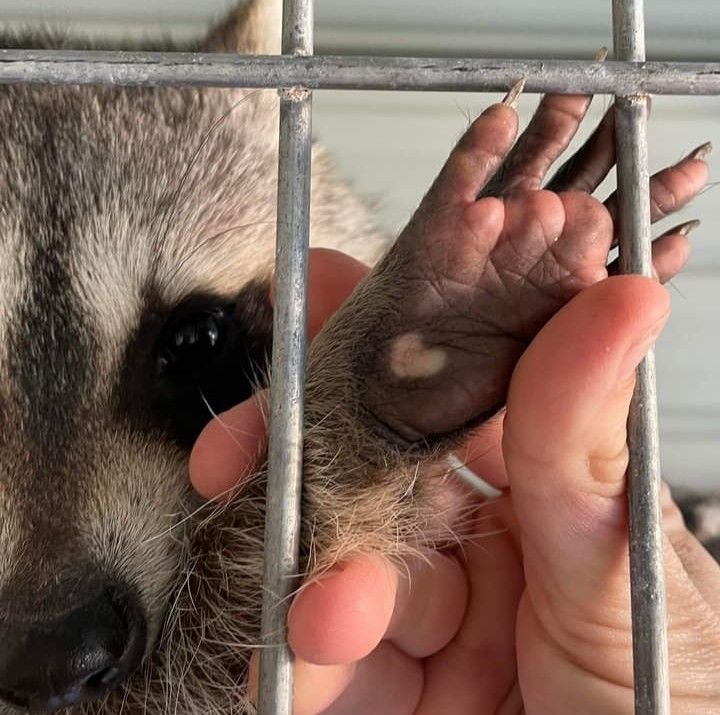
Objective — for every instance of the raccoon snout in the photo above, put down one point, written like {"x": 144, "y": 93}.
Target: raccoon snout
{"x": 47, "y": 665}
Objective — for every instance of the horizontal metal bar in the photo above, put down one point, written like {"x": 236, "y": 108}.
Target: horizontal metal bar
{"x": 380, "y": 73}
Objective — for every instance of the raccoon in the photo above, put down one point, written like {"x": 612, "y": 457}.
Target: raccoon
{"x": 136, "y": 252}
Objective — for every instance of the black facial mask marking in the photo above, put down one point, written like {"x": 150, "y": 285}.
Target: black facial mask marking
{"x": 203, "y": 356}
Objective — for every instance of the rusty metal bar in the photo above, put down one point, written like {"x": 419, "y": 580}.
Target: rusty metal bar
{"x": 285, "y": 453}
{"x": 647, "y": 579}
{"x": 380, "y": 73}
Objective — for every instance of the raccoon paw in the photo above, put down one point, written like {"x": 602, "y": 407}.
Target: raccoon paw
{"x": 436, "y": 330}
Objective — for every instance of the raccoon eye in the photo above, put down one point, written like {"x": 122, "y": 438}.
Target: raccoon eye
{"x": 190, "y": 344}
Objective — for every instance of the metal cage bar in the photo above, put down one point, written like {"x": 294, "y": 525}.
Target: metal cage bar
{"x": 380, "y": 73}
{"x": 647, "y": 577}
{"x": 285, "y": 451}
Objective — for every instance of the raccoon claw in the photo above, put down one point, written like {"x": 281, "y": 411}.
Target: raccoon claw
{"x": 512, "y": 98}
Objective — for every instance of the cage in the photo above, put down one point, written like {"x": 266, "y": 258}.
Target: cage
{"x": 296, "y": 74}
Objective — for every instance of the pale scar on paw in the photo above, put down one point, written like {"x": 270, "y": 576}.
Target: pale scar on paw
{"x": 411, "y": 359}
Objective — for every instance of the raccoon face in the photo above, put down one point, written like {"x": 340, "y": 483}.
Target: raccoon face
{"x": 133, "y": 305}
{"x": 137, "y": 235}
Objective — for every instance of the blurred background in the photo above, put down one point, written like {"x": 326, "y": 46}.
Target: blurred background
{"x": 392, "y": 144}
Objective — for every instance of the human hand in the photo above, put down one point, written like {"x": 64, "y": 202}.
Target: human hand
{"x": 538, "y": 611}
{"x": 369, "y": 602}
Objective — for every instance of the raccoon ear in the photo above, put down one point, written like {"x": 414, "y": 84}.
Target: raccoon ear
{"x": 252, "y": 28}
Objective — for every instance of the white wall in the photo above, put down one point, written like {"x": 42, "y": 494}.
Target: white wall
{"x": 392, "y": 144}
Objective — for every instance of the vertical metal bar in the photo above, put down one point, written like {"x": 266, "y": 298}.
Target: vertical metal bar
{"x": 647, "y": 581}
{"x": 282, "y": 521}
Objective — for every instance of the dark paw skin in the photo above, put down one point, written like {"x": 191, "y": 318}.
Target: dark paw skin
{"x": 466, "y": 302}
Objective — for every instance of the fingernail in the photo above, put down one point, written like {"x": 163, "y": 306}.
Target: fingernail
{"x": 701, "y": 152}
{"x": 637, "y": 350}
{"x": 513, "y": 96}
{"x": 601, "y": 54}
{"x": 683, "y": 229}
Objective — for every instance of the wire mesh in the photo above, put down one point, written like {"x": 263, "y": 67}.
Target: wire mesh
{"x": 295, "y": 74}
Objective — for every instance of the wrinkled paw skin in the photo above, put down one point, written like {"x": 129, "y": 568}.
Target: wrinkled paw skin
{"x": 437, "y": 328}
{"x": 424, "y": 349}
{"x": 469, "y": 295}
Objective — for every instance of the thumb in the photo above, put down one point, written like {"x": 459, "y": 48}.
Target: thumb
{"x": 565, "y": 435}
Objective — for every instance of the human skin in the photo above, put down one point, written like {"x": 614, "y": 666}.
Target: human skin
{"x": 534, "y": 616}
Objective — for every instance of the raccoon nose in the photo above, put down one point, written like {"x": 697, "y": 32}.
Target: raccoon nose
{"x": 79, "y": 656}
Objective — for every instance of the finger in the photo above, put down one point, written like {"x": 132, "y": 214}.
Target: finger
{"x": 332, "y": 277}
{"x": 588, "y": 229}
{"x": 673, "y": 187}
{"x": 565, "y": 448}
{"x": 482, "y": 654}
{"x": 482, "y": 452}
{"x": 315, "y": 688}
{"x": 566, "y": 453}
{"x": 430, "y": 605}
{"x": 388, "y": 681}
{"x": 366, "y": 619}
{"x": 670, "y": 252}
{"x": 549, "y": 133}
{"x": 230, "y": 448}
{"x": 565, "y": 439}
{"x": 344, "y": 615}
{"x": 233, "y": 444}
{"x": 476, "y": 157}
{"x": 362, "y": 687}
{"x": 587, "y": 169}
{"x": 589, "y": 166}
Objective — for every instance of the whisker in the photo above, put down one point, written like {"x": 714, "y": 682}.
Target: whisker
{"x": 182, "y": 521}
{"x": 216, "y": 417}
{"x": 213, "y": 505}
{"x": 472, "y": 479}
